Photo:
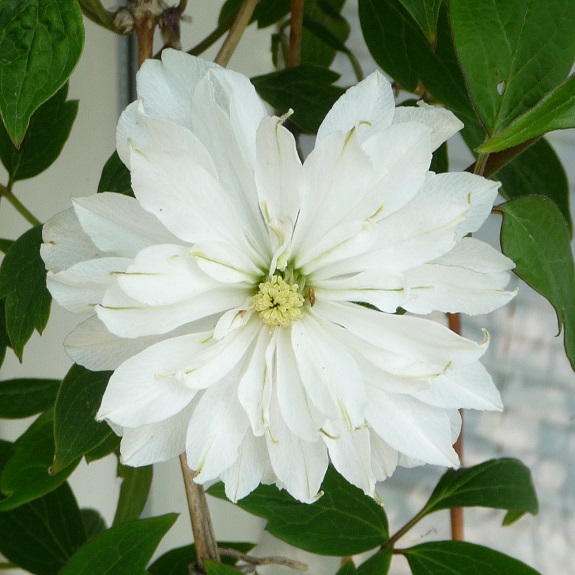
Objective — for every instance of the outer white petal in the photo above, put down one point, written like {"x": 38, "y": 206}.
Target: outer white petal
{"x": 217, "y": 428}
{"x": 350, "y": 453}
{"x": 370, "y": 102}
{"x": 411, "y": 427}
{"x": 443, "y": 123}
{"x": 384, "y": 459}
{"x": 156, "y": 442}
{"x": 117, "y": 224}
{"x": 299, "y": 465}
{"x": 65, "y": 242}
{"x": 81, "y": 287}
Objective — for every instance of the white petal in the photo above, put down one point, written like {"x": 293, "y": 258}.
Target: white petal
{"x": 370, "y": 102}
{"x": 384, "y": 459}
{"x": 443, "y": 123}
{"x": 217, "y": 428}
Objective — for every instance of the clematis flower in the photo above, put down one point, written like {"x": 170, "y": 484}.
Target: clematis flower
{"x": 247, "y": 302}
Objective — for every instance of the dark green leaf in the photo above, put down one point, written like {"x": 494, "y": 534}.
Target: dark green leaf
{"x": 219, "y": 569}
{"x": 425, "y": 13}
{"x": 26, "y": 476}
{"x": 115, "y": 177}
{"x": 109, "y": 445}
{"x": 538, "y": 170}
{"x": 347, "y": 568}
{"x": 461, "y": 558}
{"x": 133, "y": 493}
{"x": 5, "y": 244}
{"x": 47, "y": 133}
{"x": 6, "y": 451}
{"x": 269, "y": 12}
{"x": 120, "y": 550}
{"x": 498, "y": 483}
{"x": 25, "y": 397}
{"x": 378, "y": 564}
{"x": 94, "y": 523}
{"x": 42, "y": 535}
{"x": 23, "y": 284}
{"x": 512, "y": 516}
{"x": 76, "y": 430}
{"x": 4, "y": 339}
{"x": 309, "y": 90}
{"x": 512, "y": 53}
{"x": 440, "y": 161}
{"x": 535, "y": 236}
{"x": 343, "y": 521}
{"x": 40, "y": 42}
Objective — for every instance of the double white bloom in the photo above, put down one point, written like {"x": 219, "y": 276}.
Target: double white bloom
{"x": 235, "y": 296}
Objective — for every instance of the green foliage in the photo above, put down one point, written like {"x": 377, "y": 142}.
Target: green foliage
{"x": 498, "y": 483}
{"x": 343, "y": 521}
{"x": 47, "y": 133}
{"x": 219, "y": 569}
{"x": 136, "y": 483}
{"x": 4, "y": 339}
{"x": 461, "y": 558}
{"x": 123, "y": 549}
{"x": 23, "y": 285}
{"x": 425, "y": 14}
{"x": 26, "y": 473}
{"x": 5, "y": 243}
{"x": 40, "y": 42}
{"x": 115, "y": 177}
{"x": 378, "y": 564}
{"x": 94, "y": 523}
{"x": 26, "y": 396}
{"x": 76, "y": 430}
{"x": 43, "y": 534}
{"x": 308, "y": 89}
{"x": 347, "y": 568}
{"x": 535, "y": 236}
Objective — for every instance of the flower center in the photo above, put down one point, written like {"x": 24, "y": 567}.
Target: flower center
{"x": 278, "y": 302}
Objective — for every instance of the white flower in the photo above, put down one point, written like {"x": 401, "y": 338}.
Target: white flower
{"x": 236, "y": 296}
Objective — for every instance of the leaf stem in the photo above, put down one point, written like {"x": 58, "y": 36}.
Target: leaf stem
{"x": 236, "y": 32}
{"x": 272, "y": 560}
{"x": 213, "y": 37}
{"x": 204, "y": 538}
{"x": 401, "y": 532}
{"x": 295, "y": 33}
{"x": 6, "y": 191}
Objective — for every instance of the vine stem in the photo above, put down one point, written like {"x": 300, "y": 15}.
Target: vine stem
{"x": 295, "y": 33}
{"x": 6, "y": 191}
{"x": 236, "y": 32}
{"x": 204, "y": 538}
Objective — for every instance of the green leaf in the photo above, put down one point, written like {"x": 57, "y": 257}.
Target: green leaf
{"x": 538, "y": 170}
{"x": 26, "y": 476}
{"x": 94, "y": 523}
{"x": 5, "y": 244}
{"x": 347, "y": 568}
{"x": 461, "y": 558}
{"x": 535, "y": 236}
{"x": 498, "y": 483}
{"x": 219, "y": 569}
{"x": 133, "y": 493}
{"x": 343, "y": 521}
{"x": 23, "y": 284}
{"x": 512, "y": 53}
{"x": 115, "y": 177}
{"x": 109, "y": 445}
{"x": 42, "y": 535}
{"x": 4, "y": 339}
{"x": 120, "y": 550}
{"x": 40, "y": 42}
{"x": 308, "y": 89}
{"x": 378, "y": 564}
{"x": 425, "y": 13}
{"x": 511, "y": 517}
{"x": 47, "y": 133}
{"x": 76, "y": 430}
{"x": 25, "y": 397}
{"x": 556, "y": 111}
{"x": 269, "y": 12}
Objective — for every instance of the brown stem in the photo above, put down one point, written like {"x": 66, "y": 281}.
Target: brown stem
{"x": 273, "y": 560}
{"x": 295, "y": 33}
{"x": 145, "y": 26}
{"x": 497, "y": 160}
{"x": 236, "y": 32}
{"x": 204, "y": 538}
{"x": 456, "y": 513}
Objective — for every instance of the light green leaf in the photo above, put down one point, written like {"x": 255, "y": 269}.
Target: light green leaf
{"x": 219, "y": 569}
{"x": 136, "y": 483}
{"x": 535, "y": 236}
{"x": 42, "y": 535}
{"x": 556, "y": 111}
{"x": 512, "y": 53}
{"x": 343, "y": 521}
{"x": 40, "y": 42}
{"x": 498, "y": 483}
{"x": 425, "y": 13}
{"x": 25, "y": 397}
{"x": 26, "y": 476}
{"x": 76, "y": 430}
{"x": 23, "y": 284}
{"x": 47, "y": 133}
{"x": 461, "y": 558}
{"x": 120, "y": 550}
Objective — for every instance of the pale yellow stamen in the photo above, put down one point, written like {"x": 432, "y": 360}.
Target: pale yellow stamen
{"x": 278, "y": 302}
